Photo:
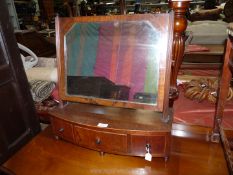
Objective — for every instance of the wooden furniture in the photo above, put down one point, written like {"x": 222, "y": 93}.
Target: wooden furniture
{"x": 127, "y": 51}
{"x": 134, "y": 7}
{"x": 188, "y": 156}
{"x": 180, "y": 25}
{"x": 18, "y": 122}
{"x": 211, "y": 59}
{"x": 129, "y": 131}
{"x": 226, "y": 135}
{"x": 36, "y": 42}
{"x": 103, "y": 7}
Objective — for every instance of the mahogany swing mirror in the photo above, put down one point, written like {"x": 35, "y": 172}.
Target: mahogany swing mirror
{"x": 117, "y": 61}
{"x": 115, "y": 71}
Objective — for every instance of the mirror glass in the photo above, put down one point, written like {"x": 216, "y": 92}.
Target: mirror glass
{"x": 113, "y": 60}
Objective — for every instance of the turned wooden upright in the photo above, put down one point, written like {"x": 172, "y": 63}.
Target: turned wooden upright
{"x": 180, "y": 25}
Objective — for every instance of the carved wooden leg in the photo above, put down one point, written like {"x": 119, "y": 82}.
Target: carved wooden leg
{"x": 173, "y": 95}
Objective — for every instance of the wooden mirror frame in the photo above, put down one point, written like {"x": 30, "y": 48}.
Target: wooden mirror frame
{"x": 64, "y": 24}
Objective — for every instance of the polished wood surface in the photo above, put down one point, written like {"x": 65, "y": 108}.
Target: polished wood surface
{"x": 46, "y": 155}
{"x": 211, "y": 59}
{"x": 214, "y": 49}
{"x": 162, "y": 23}
{"x": 191, "y": 131}
{"x": 226, "y": 77}
{"x": 116, "y": 118}
{"x": 214, "y": 55}
{"x": 128, "y": 131}
{"x": 201, "y": 66}
{"x": 180, "y": 23}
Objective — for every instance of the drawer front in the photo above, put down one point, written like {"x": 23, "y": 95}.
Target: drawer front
{"x": 101, "y": 140}
{"x": 157, "y": 145}
{"x": 63, "y": 129}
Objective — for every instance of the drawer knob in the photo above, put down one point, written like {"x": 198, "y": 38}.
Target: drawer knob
{"x": 61, "y": 130}
{"x": 148, "y": 148}
{"x": 98, "y": 141}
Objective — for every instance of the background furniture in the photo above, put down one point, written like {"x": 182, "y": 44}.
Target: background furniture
{"x": 36, "y": 42}
{"x": 209, "y": 59}
{"x": 104, "y": 7}
{"x": 18, "y": 122}
{"x": 209, "y": 37}
{"x": 226, "y": 135}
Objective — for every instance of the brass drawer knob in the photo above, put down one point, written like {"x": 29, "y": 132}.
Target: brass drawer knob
{"x": 98, "y": 141}
{"x": 61, "y": 130}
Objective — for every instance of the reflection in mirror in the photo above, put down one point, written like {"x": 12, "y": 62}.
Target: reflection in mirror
{"x": 113, "y": 60}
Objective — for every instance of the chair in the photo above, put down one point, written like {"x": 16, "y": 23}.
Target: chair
{"x": 218, "y": 130}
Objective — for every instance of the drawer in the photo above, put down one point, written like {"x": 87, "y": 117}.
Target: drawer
{"x": 157, "y": 145}
{"x": 101, "y": 140}
{"x": 63, "y": 129}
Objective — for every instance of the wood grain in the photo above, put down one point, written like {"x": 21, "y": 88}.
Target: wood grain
{"x": 128, "y": 131}
{"x": 162, "y": 22}
{"x": 46, "y": 155}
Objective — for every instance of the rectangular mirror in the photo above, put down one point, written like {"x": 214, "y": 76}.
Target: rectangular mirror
{"x": 116, "y": 62}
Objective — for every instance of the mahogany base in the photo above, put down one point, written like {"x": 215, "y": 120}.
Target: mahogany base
{"x": 129, "y": 131}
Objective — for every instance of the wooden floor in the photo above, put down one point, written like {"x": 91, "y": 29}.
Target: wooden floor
{"x": 46, "y": 156}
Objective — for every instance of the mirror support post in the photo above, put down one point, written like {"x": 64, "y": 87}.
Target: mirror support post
{"x": 179, "y": 7}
